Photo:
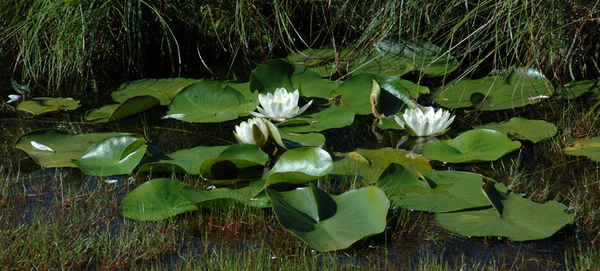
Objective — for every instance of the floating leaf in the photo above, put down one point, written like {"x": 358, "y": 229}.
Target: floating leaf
{"x": 329, "y": 222}
{"x": 575, "y": 89}
{"x": 293, "y": 140}
{"x": 371, "y": 163}
{"x": 321, "y": 61}
{"x": 521, "y": 87}
{"x": 401, "y": 57}
{"x": 64, "y": 146}
{"x": 589, "y": 147}
{"x": 435, "y": 191}
{"x": 316, "y": 121}
{"x": 162, "y": 89}
{"x": 523, "y": 129}
{"x": 187, "y": 160}
{"x": 155, "y": 200}
{"x": 129, "y": 107}
{"x": 522, "y": 220}
{"x": 217, "y": 196}
{"x": 46, "y": 105}
{"x": 300, "y": 166}
{"x": 209, "y": 101}
{"x": 471, "y": 146}
{"x": 112, "y": 156}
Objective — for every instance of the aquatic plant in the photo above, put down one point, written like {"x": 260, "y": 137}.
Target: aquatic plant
{"x": 280, "y": 105}
{"x": 428, "y": 123}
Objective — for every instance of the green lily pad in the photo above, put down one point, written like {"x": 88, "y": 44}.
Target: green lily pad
{"x": 523, "y": 129}
{"x": 318, "y": 120}
{"x": 293, "y": 140}
{"x": 299, "y": 166}
{"x": 523, "y": 86}
{"x": 209, "y": 102}
{"x": 576, "y": 89}
{"x": 321, "y": 60}
{"x": 278, "y": 73}
{"x": 354, "y": 94}
{"x": 162, "y": 89}
{"x": 401, "y": 57}
{"x": 155, "y": 200}
{"x": 329, "y": 222}
{"x": 522, "y": 220}
{"x": 440, "y": 191}
{"x": 112, "y": 156}
{"x": 235, "y": 163}
{"x": 589, "y": 147}
{"x": 46, "y": 105}
{"x": 207, "y": 198}
{"x": 371, "y": 163}
{"x": 128, "y": 107}
{"x": 52, "y": 148}
{"x": 187, "y": 160}
{"x": 471, "y": 146}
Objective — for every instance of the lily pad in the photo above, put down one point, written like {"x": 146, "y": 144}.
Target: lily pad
{"x": 471, "y": 146}
{"x": 128, "y": 107}
{"x": 354, "y": 94}
{"x": 112, "y": 156}
{"x": 59, "y": 148}
{"x": 162, "y": 89}
{"x": 523, "y": 129}
{"x": 521, "y": 87}
{"x": 329, "y": 222}
{"x": 576, "y": 89}
{"x": 235, "y": 163}
{"x": 299, "y": 166}
{"x": 589, "y": 147}
{"x": 207, "y": 198}
{"x": 371, "y": 163}
{"x": 209, "y": 102}
{"x": 440, "y": 191}
{"x": 46, "y": 105}
{"x": 319, "y": 120}
{"x": 401, "y": 57}
{"x": 155, "y": 200}
{"x": 522, "y": 220}
{"x": 278, "y": 73}
{"x": 187, "y": 160}
{"x": 294, "y": 140}
{"x": 321, "y": 60}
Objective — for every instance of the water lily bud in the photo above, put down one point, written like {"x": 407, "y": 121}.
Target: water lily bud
{"x": 254, "y": 131}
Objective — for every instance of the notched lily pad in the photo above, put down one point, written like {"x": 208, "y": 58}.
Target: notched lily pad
{"x": 435, "y": 191}
{"x": 471, "y": 146}
{"x": 209, "y": 102}
{"x": 162, "y": 89}
{"x": 522, "y": 220}
{"x": 523, "y": 129}
{"x": 589, "y": 147}
{"x": 46, "y": 105}
{"x": 52, "y": 148}
{"x": 112, "y": 156}
{"x": 576, "y": 89}
{"x": 128, "y": 107}
{"x": 155, "y": 200}
{"x": 329, "y": 222}
{"x": 521, "y": 87}
{"x": 400, "y": 57}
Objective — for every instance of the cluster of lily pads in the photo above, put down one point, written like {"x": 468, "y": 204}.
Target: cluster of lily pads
{"x": 280, "y": 152}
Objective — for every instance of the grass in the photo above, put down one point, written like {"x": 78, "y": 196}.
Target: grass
{"x": 59, "y": 219}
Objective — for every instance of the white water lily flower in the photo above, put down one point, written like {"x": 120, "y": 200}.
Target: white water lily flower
{"x": 13, "y": 98}
{"x": 280, "y": 106}
{"x": 254, "y": 131}
{"x": 428, "y": 123}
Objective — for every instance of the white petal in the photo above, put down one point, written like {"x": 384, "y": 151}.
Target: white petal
{"x": 41, "y": 147}
{"x": 174, "y": 116}
{"x": 302, "y": 109}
